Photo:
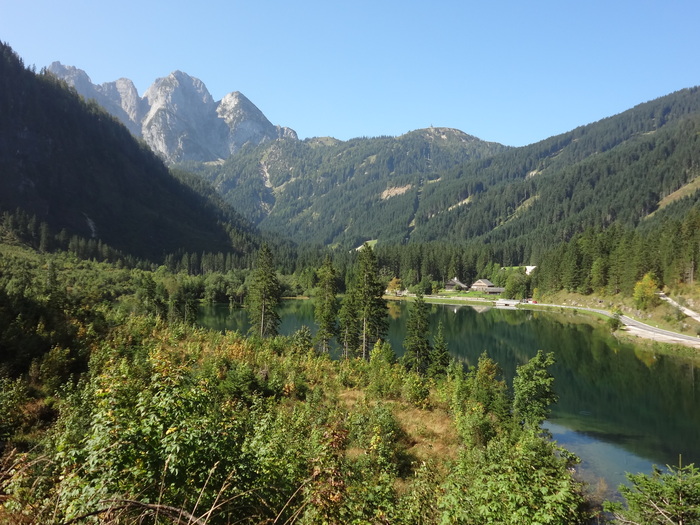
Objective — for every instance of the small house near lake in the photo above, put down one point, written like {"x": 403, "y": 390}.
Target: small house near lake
{"x": 455, "y": 285}
{"x": 486, "y": 286}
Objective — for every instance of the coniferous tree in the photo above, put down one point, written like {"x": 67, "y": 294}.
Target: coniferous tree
{"x": 264, "y": 296}
{"x": 440, "y": 358}
{"x": 326, "y": 304}
{"x": 671, "y": 496}
{"x": 349, "y": 324}
{"x": 184, "y": 302}
{"x": 416, "y": 343}
{"x": 372, "y": 310}
{"x": 599, "y": 274}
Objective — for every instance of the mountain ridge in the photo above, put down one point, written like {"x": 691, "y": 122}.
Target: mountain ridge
{"x": 276, "y": 184}
{"x": 177, "y": 116}
{"x": 334, "y": 192}
{"x": 440, "y": 184}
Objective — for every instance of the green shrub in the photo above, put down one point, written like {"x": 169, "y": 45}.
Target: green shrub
{"x": 13, "y": 394}
{"x": 663, "y": 497}
{"x": 415, "y": 389}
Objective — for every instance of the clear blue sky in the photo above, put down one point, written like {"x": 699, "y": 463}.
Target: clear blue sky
{"x": 513, "y": 72}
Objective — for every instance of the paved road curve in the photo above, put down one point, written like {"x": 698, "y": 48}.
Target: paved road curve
{"x": 632, "y": 326}
{"x": 642, "y": 329}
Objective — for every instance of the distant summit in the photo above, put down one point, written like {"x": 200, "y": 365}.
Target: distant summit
{"x": 177, "y": 117}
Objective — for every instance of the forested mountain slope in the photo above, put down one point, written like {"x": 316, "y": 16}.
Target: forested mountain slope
{"x": 330, "y": 191}
{"x": 72, "y": 166}
{"x": 615, "y": 170}
{"x": 440, "y": 184}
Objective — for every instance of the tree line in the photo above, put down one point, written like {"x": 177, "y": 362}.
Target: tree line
{"x": 614, "y": 260}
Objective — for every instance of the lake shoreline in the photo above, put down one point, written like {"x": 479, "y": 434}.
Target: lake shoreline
{"x": 632, "y": 327}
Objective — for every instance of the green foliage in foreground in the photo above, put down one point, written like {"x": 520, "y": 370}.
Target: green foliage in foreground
{"x": 663, "y": 497}
{"x": 235, "y": 430}
{"x": 132, "y": 415}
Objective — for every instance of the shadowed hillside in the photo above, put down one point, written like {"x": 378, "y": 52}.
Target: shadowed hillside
{"x": 73, "y": 167}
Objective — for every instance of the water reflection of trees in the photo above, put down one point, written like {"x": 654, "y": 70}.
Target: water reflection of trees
{"x": 648, "y": 402}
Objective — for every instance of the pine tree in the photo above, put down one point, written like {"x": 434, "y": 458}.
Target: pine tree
{"x": 264, "y": 296}
{"x": 440, "y": 358}
{"x": 416, "y": 343}
{"x": 326, "y": 309}
{"x": 670, "y": 496}
{"x": 372, "y": 309}
{"x": 349, "y": 329}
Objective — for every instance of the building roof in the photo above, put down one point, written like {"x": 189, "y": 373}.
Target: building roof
{"x": 456, "y": 282}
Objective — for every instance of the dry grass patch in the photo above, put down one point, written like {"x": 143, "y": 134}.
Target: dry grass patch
{"x": 430, "y": 433}
{"x": 460, "y": 203}
{"x": 350, "y": 397}
{"x": 683, "y": 191}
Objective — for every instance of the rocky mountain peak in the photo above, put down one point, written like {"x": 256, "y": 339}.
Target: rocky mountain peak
{"x": 249, "y": 123}
{"x": 181, "y": 123}
{"x": 181, "y": 90}
{"x": 177, "y": 116}
{"x": 124, "y": 91}
{"x": 72, "y": 76}
{"x": 235, "y": 108}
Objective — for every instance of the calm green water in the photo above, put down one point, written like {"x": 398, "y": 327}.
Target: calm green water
{"x": 620, "y": 409}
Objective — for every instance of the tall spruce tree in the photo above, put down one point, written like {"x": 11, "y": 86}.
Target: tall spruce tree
{"x": 264, "y": 295}
{"x": 416, "y": 343}
{"x": 440, "y": 358}
{"x": 326, "y": 308}
{"x": 372, "y": 309}
{"x": 349, "y": 324}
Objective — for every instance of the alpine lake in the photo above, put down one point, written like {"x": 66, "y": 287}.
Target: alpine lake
{"x": 621, "y": 408}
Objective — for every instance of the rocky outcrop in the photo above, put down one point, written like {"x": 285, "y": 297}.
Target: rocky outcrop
{"x": 177, "y": 116}
{"x": 181, "y": 123}
{"x": 247, "y": 123}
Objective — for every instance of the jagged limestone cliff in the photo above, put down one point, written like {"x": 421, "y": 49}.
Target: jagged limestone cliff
{"x": 177, "y": 116}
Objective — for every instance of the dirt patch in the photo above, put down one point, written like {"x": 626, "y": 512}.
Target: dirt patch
{"x": 461, "y": 203}
{"x": 393, "y": 192}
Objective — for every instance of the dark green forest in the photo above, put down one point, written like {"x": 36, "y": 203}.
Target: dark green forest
{"x": 116, "y": 408}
